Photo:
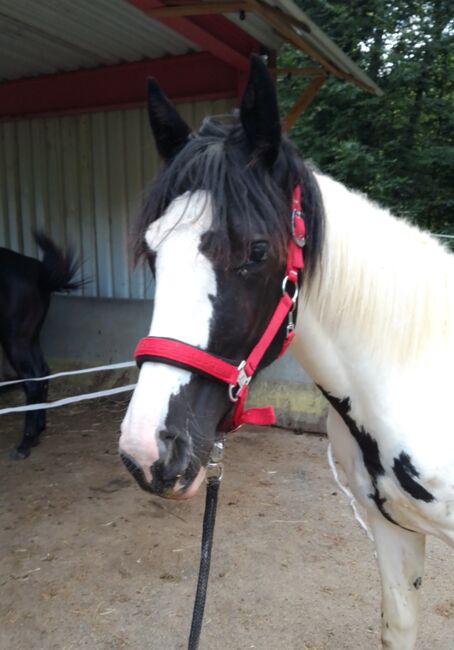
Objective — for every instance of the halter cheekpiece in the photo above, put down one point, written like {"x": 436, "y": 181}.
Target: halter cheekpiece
{"x": 173, "y": 352}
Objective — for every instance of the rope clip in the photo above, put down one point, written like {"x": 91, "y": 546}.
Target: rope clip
{"x": 215, "y": 467}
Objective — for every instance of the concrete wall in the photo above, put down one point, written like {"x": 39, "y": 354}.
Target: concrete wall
{"x": 82, "y": 332}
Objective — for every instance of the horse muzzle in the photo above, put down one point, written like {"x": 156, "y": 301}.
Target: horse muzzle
{"x": 163, "y": 480}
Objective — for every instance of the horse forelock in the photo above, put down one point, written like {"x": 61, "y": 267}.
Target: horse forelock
{"x": 246, "y": 198}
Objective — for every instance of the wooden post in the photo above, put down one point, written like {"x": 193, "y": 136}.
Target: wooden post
{"x": 303, "y": 102}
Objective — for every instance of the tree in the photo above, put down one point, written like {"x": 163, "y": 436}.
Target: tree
{"x": 397, "y": 148}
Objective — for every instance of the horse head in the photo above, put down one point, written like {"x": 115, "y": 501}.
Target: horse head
{"x": 214, "y": 230}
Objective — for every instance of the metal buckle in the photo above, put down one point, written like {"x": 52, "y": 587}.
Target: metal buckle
{"x": 243, "y": 380}
{"x": 214, "y": 470}
{"x": 295, "y": 287}
{"x": 300, "y": 240}
{"x": 217, "y": 451}
{"x": 215, "y": 467}
{"x": 291, "y": 321}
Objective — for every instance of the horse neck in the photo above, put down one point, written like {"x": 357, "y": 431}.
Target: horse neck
{"x": 382, "y": 291}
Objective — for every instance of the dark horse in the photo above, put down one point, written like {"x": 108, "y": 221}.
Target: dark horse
{"x": 375, "y": 327}
{"x": 26, "y": 285}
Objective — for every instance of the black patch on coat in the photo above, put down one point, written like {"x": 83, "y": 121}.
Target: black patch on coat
{"x": 405, "y": 471}
{"x": 417, "y": 583}
{"x": 368, "y": 446}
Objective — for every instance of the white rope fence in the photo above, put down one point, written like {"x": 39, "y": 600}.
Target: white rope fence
{"x": 112, "y": 366}
{"x": 130, "y": 387}
{"x": 69, "y": 400}
{"x": 348, "y": 494}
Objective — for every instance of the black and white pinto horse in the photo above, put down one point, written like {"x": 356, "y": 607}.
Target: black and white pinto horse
{"x": 26, "y": 285}
{"x": 375, "y": 328}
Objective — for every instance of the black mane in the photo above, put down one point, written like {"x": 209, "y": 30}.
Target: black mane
{"x": 247, "y": 198}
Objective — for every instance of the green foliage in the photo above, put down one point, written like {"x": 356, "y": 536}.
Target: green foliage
{"x": 397, "y": 148}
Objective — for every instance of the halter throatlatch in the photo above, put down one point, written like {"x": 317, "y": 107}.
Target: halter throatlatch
{"x": 238, "y": 377}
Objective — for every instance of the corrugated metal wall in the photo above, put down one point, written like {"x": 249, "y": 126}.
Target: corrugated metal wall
{"x": 81, "y": 179}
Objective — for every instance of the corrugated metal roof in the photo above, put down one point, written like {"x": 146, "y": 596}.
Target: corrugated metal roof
{"x": 257, "y": 28}
{"x": 309, "y": 34}
{"x": 60, "y": 35}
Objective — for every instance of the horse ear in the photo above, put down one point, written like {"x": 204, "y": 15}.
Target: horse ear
{"x": 259, "y": 112}
{"x": 169, "y": 129}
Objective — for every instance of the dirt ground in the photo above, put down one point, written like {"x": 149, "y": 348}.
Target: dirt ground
{"x": 90, "y": 561}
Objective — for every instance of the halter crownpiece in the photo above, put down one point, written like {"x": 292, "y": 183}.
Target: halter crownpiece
{"x": 238, "y": 377}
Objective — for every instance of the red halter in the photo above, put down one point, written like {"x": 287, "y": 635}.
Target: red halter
{"x": 238, "y": 378}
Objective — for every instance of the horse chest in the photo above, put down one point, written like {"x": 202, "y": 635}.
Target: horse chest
{"x": 390, "y": 432}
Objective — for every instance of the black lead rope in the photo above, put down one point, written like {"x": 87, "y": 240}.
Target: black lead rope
{"x": 209, "y": 519}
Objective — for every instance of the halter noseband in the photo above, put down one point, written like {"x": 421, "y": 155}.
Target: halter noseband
{"x": 173, "y": 352}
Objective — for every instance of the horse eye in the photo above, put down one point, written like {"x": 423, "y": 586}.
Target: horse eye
{"x": 259, "y": 250}
{"x": 258, "y": 253}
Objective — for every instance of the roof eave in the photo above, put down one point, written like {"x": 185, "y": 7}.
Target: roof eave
{"x": 347, "y": 68}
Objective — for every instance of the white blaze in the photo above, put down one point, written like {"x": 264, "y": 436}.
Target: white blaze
{"x": 183, "y": 308}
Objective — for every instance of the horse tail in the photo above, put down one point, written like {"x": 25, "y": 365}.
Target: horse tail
{"x": 60, "y": 267}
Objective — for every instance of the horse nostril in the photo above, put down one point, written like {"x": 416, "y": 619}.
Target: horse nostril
{"x": 131, "y": 464}
{"x": 134, "y": 469}
{"x": 168, "y": 436}
{"x": 174, "y": 463}
{"x": 175, "y": 455}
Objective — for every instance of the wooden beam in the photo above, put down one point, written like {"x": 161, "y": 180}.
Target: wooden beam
{"x": 188, "y": 77}
{"x": 274, "y": 17}
{"x": 289, "y": 20}
{"x": 198, "y": 9}
{"x": 190, "y": 18}
{"x": 200, "y": 36}
{"x": 303, "y": 102}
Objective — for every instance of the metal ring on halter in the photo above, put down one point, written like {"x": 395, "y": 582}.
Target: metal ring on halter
{"x": 215, "y": 470}
{"x": 243, "y": 380}
{"x": 233, "y": 397}
{"x": 285, "y": 281}
{"x": 217, "y": 451}
{"x": 299, "y": 239}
